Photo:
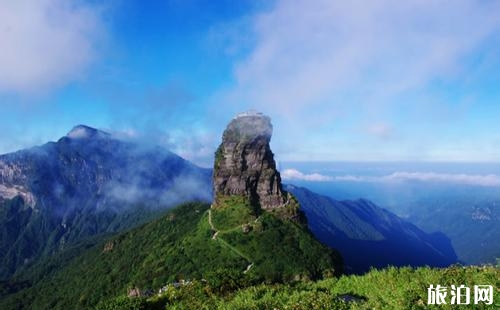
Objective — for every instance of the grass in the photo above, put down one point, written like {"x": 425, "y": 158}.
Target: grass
{"x": 390, "y": 288}
{"x": 232, "y": 211}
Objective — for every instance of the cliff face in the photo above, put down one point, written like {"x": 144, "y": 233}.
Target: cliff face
{"x": 244, "y": 163}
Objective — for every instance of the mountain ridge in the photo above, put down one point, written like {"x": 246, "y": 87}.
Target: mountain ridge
{"x": 360, "y": 228}
{"x": 242, "y": 238}
{"x": 84, "y": 184}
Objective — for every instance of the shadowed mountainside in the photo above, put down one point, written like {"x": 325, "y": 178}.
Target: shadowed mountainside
{"x": 369, "y": 236}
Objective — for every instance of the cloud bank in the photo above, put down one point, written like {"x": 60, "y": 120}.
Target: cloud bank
{"x": 468, "y": 179}
{"x": 489, "y": 180}
{"x": 46, "y": 43}
{"x": 293, "y": 174}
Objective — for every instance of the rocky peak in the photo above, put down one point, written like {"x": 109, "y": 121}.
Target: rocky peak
{"x": 86, "y": 132}
{"x": 245, "y": 166}
{"x": 247, "y": 127}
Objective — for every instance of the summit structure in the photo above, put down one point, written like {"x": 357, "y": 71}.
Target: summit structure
{"x": 245, "y": 166}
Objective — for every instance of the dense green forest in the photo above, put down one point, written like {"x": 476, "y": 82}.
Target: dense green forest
{"x": 184, "y": 244}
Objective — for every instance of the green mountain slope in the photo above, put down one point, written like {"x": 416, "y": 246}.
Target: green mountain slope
{"x": 359, "y": 227}
{"x": 179, "y": 245}
{"x": 470, "y": 220}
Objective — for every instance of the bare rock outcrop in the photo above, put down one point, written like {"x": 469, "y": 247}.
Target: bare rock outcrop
{"x": 244, "y": 163}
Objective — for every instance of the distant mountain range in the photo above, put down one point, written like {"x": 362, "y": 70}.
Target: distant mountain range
{"x": 469, "y": 215}
{"x": 471, "y": 220}
{"x": 369, "y": 236}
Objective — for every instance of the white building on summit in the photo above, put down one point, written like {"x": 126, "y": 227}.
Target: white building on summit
{"x": 249, "y": 113}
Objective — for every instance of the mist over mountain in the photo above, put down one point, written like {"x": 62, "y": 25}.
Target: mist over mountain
{"x": 384, "y": 116}
{"x": 85, "y": 184}
{"x": 84, "y": 196}
{"x": 253, "y": 232}
{"x": 89, "y": 183}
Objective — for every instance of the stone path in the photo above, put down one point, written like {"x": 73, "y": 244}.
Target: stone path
{"x": 214, "y": 237}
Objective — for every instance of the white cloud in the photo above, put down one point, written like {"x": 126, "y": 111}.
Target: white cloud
{"x": 293, "y": 174}
{"x": 489, "y": 180}
{"x": 46, "y": 43}
{"x": 308, "y": 54}
{"x": 467, "y": 179}
{"x": 327, "y": 70}
{"x": 194, "y": 146}
{"x": 191, "y": 143}
{"x": 78, "y": 133}
{"x": 481, "y": 180}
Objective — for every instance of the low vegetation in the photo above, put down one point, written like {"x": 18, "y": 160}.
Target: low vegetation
{"x": 390, "y": 288}
{"x": 232, "y": 211}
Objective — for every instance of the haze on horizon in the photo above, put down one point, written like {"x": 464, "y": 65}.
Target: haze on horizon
{"x": 379, "y": 81}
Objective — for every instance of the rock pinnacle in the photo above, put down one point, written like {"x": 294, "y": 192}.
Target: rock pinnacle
{"x": 244, "y": 163}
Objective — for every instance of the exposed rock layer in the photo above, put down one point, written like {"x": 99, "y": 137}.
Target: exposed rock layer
{"x": 244, "y": 163}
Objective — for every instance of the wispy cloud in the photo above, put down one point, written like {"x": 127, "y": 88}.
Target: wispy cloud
{"x": 328, "y": 66}
{"x": 46, "y": 43}
{"x": 181, "y": 189}
{"x": 293, "y": 174}
{"x": 308, "y": 51}
{"x": 490, "y": 180}
{"x": 167, "y": 115}
{"x": 467, "y": 179}
{"x": 481, "y": 180}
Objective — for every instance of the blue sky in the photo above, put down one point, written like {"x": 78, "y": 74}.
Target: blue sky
{"x": 342, "y": 80}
